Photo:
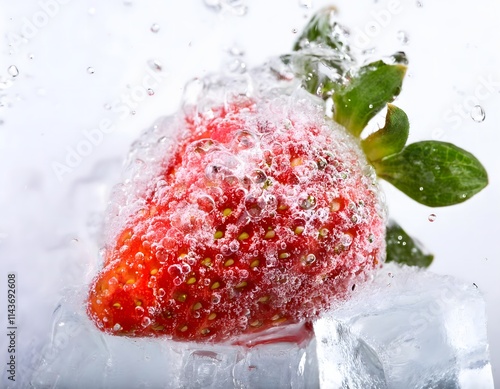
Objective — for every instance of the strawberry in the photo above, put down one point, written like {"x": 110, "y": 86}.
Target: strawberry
{"x": 255, "y": 210}
{"x": 263, "y": 214}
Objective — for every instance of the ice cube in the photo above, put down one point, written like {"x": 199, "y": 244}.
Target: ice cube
{"x": 409, "y": 329}
{"x": 80, "y": 356}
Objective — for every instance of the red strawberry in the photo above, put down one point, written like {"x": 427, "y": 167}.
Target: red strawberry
{"x": 263, "y": 212}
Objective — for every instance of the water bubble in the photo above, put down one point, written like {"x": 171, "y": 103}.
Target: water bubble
{"x": 145, "y": 321}
{"x": 31, "y": 56}
{"x": 403, "y": 37}
{"x": 294, "y": 30}
{"x": 310, "y": 259}
{"x": 305, "y": 4}
{"x": 234, "y": 246}
{"x": 155, "y": 27}
{"x": 419, "y": 4}
{"x": 155, "y": 65}
{"x": 258, "y": 176}
{"x": 117, "y": 327}
{"x": 477, "y": 114}
{"x": 90, "y": 70}
{"x": 432, "y": 217}
{"x": 139, "y": 310}
{"x": 151, "y": 92}
{"x": 307, "y": 202}
{"x": 13, "y": 70}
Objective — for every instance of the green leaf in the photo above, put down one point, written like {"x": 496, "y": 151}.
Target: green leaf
{"x": 434, "y": 173}
{"x": 401, "y": 248}
{"x": 388, "y": 140}
{"x": 322, "y": 31}
{"x": 374, "y": 86}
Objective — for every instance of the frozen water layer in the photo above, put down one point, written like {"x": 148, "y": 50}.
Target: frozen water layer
{"x": 409, "y": 329}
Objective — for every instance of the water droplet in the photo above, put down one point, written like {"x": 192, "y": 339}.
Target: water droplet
{"x": 117, "y": 327}
{"x": 155, "y": 27}
{"x": 145, "y": 321}
{"x": 305, "y": 4}
{"x": 403, "y": 37}
{"x": 477, "y": 114}
{"x": 294, "y": 30}
{"x": 432, "y": 217}
{"x": 161, "y": 292}
{"x": 90, "y": 70}
{"x": 151, "y": 92}
{"x": 13, "y": 70}
{"x": 155, "y": 65}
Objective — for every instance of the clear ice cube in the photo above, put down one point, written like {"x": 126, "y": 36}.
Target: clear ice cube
{"x": 409, "y": 329}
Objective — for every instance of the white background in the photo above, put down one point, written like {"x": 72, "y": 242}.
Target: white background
{"x": 49, "y": 222}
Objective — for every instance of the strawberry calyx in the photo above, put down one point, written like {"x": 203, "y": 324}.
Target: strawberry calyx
{"x": 432, "y": 173}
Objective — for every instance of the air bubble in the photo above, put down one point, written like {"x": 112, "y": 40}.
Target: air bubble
{"x": 155, "y": 27}
{"x": 432, "y": 217}
{"x": 310, "y": 259}
{"x": 403, "y": 37}
{"x": 155, "y": 65}
{"x": 117, "y": 327}
{"x": 151, "y": 92}
{"x": 258, "y": 176}
{"x": 146, "y": 321}
{"x": 307, "y": 202}
{"x": 305, "y": 4}
{"x": 477, "y": 114}
{"x": 13, "y": 70}
{"x": 139, "y": 310}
